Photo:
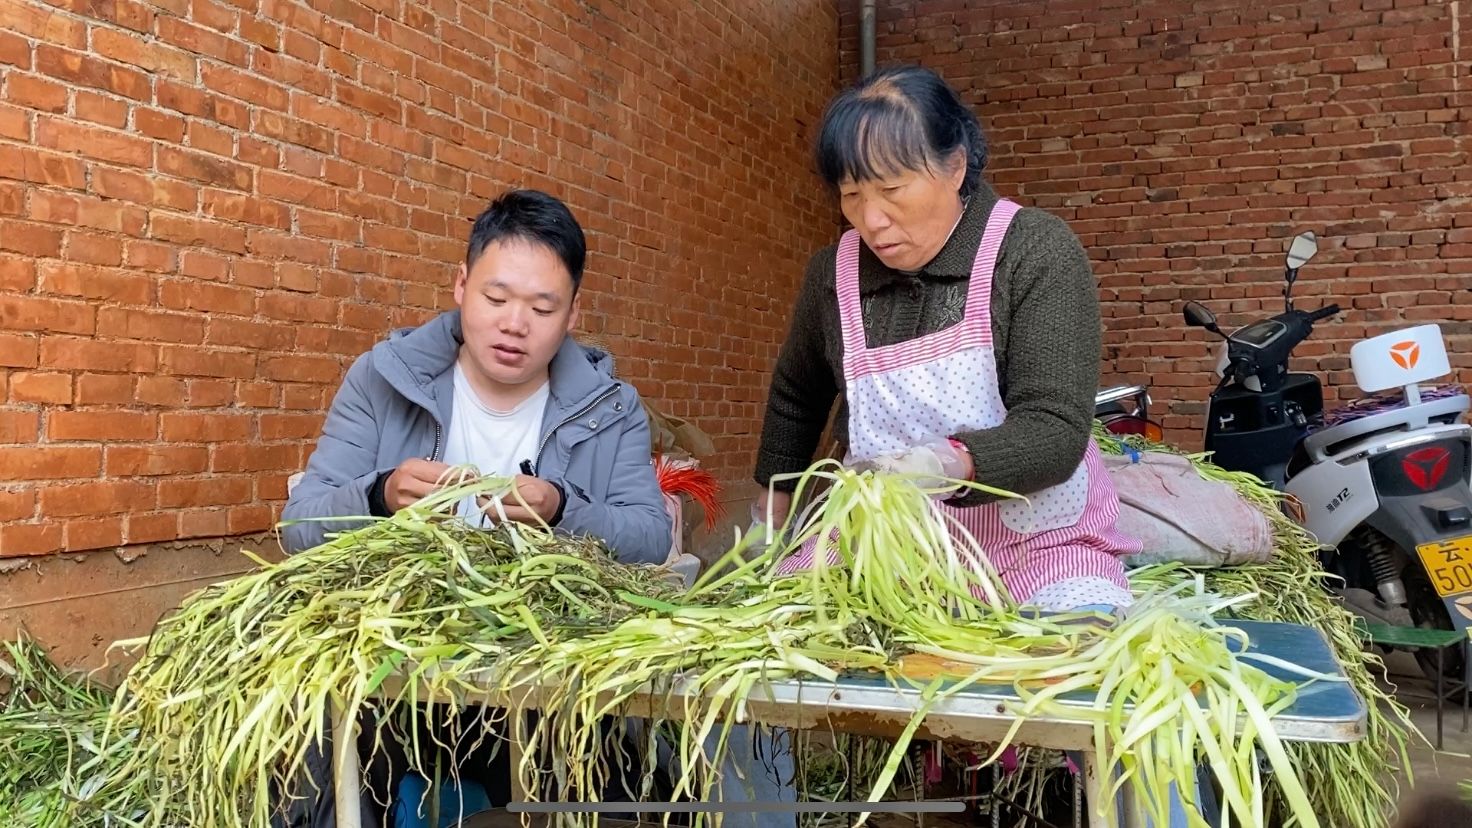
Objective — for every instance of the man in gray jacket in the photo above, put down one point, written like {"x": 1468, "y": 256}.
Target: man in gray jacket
{"x": 497, "y": 383}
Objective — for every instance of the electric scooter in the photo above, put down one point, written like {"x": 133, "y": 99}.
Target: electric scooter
{"x": 1383, "y": 482}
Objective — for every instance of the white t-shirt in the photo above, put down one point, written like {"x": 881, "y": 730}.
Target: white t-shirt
{"x": 495, "y": 442}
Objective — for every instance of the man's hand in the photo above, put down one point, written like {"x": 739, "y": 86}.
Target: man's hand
{"x": 412, "y": 480}
{"x": 542, "y": 501}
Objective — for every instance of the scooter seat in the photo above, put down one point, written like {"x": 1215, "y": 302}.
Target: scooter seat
{"x": 1381, "y": 403}
{"x": 1346, "y": 426}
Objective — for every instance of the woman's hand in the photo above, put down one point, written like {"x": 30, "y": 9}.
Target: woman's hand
{"x": 778, "y": 504}
{"x": 931, "y": 465}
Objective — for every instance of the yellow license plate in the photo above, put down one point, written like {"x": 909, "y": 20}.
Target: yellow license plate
{"x": 1449, "y": 565}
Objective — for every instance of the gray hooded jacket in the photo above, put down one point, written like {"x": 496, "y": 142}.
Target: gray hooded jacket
{"x": 395, "y": 403}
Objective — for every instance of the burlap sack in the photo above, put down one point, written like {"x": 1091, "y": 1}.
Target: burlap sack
{"x": 1181, "y": 516}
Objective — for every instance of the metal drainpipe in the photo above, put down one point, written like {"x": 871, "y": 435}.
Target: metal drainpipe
{"x": 866, "y": 38}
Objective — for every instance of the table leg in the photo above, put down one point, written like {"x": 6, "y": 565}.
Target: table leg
{"x": 1466, "y": 678}
{"x": 924, "y": 768}
{"x": 997, "y": 803}
{"x": 853, "y": 762}
{"x": 346, "y": 774}
{"x": 1078, "y": 801}
{"x": 1127, "y": 811}
{"x": 517, "y": 727}
{"x": 1096, "y": 784}
{"x": 1440, "y": 694}
{"x": 514, "y": 752}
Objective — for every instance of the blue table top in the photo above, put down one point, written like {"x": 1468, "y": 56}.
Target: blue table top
{"x": 1326, "y": 702}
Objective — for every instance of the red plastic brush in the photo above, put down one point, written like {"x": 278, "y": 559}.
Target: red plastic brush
{"x": 677, "y": 478}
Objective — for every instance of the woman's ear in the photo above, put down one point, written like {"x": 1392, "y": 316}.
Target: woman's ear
{"x": 956, "y": 167}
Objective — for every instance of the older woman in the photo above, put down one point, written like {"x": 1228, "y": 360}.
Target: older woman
{"x": 963, "y": 332}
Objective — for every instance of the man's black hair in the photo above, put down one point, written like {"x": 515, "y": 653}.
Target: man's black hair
{"x": 532, "y": 216}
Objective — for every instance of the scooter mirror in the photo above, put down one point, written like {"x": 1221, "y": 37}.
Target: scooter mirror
{"x": 1304, "y": 246}
{"x": 1198, "y": 316}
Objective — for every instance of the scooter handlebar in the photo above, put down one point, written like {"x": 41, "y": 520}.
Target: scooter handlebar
{"x": 1323, "y": 313}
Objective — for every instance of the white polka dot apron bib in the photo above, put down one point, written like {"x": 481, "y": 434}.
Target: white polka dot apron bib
{"x": 1058, "y": 550}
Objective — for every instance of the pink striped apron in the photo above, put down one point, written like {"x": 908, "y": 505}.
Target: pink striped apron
{"x": 1059, "y": 551}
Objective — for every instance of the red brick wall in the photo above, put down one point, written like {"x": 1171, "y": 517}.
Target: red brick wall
{"x": 209, "y": 207}
{"x": 1186, "y": 142}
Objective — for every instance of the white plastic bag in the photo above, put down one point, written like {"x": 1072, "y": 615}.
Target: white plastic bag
{"x": 679, "y": 561}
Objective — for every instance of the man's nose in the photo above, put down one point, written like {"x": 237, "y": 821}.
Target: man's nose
{"x": 514, "y": 321}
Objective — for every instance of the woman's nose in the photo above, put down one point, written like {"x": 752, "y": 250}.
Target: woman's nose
{"x": 875, "y": 218}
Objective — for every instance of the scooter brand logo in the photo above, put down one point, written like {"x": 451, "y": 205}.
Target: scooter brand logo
{"x": 1426, "y": 467}
{"x": 1406, "y": 354}
{"x": 1464, "y": 606}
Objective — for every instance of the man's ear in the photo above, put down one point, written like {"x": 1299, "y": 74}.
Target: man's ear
{"x": 572, "y": 318}
{"x": 460, "y": 279}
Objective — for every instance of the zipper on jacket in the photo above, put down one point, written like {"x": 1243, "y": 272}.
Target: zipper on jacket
{"x": 434, "y": 453}
{"x": 537, "y": 460}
